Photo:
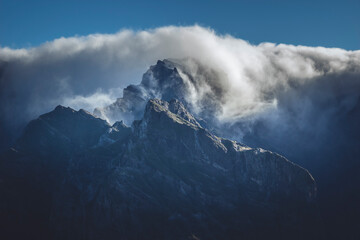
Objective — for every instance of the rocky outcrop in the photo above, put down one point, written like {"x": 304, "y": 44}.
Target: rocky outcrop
{"x": 162, "y": 81}
{"x": 166, "y": 177}
{"x": 170, "y": 127}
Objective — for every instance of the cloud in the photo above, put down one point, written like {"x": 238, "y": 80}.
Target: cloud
{"x": 88, "y": 71}
{"x": 99, "y": 99}
{"x": 302, "y": 102}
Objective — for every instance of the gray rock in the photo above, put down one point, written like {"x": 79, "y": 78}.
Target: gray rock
{"x": 166, "y": 177}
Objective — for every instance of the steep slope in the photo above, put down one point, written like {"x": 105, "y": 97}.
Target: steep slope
{"x": 166, "y": 80}
{"x": 33, "y": 169}
{"x": 165, "y": 178}
{"x": 315, "y": 125}
{"x": 160, "y": 81}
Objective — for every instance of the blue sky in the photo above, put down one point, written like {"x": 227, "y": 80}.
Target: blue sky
{"x": 313, "y": 23}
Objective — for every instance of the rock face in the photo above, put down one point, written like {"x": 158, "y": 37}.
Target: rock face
{"x": 161, "y": 81}
{"x": 166, "y": 80}
{"x": 73, "y": 176}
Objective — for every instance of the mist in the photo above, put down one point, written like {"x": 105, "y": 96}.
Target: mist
{"x": 302, "y": 102}
{"x": 276, "y": 82}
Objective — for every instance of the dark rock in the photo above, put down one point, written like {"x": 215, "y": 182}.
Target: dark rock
{"x": 167, "y": 177}
{"x": 162, "y": 81}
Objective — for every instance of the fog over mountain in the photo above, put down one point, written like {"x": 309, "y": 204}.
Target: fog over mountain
{"x": 302, "y": 102}
{"x": 88, "y": 72}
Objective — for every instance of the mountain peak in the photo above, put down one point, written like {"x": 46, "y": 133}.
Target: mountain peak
{"x": 63, "y": 126}
{"x": 162, "y": 80}
{"x": 167, "y": 63}
{"x": 167, "y": 166}
{"x": 63, "y": 108}
{"x": 173, "y": 110}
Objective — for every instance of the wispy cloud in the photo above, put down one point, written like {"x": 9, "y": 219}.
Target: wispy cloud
{"x": 253, "y": 79}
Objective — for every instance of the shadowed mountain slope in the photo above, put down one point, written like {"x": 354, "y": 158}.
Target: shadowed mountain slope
{"x": 73, "y": 176}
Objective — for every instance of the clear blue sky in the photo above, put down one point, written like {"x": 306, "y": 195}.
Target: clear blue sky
{"x": 315, "y": 23}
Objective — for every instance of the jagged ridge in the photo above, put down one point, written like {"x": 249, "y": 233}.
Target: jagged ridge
{"x": 166, "y": 177}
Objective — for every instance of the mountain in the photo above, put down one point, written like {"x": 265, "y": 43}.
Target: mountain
{"x": 315, "y": 124}
{"x": 167, "y": 80}
{"x": 161, "y": 81}
{"x": 71, "y": 175}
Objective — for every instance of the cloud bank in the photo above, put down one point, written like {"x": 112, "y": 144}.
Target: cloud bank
{"x": 303, "y": 102}
{"x": 90, "y": 71}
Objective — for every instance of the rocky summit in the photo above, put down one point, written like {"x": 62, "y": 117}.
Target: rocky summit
{"x": 71, "y": 175}
{"x": 167, "y": 80}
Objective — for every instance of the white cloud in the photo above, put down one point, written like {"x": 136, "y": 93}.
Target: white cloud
{"x": 71, "y": 70}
